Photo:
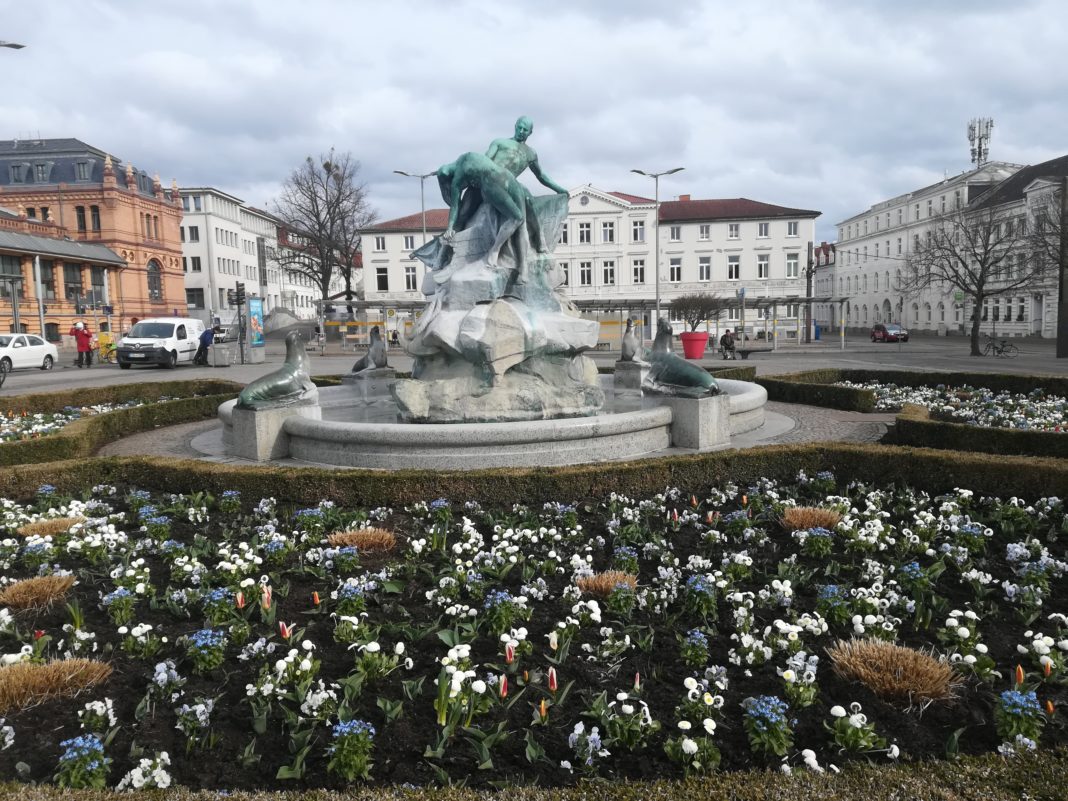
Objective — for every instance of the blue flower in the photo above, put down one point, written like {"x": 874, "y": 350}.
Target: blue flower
{"x": 439, "y": 503}
{"x": 350, "y": 728}
{"x": 207, "y": 639}
{"x": 697, "y": 638}
{"x": 117, "y": 595}
{"x": 46, "y": 489}
{"x": 1024, "y": 704}
{"x": 497, "y": 598}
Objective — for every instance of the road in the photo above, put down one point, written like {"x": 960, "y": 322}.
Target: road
{"x": 929, "y": 354}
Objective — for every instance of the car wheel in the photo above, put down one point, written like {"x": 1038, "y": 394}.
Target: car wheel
{"x": 47, "y": 363}
{"x": 7, "y": 364}
{"x": 873, "y": 338}
{"x": 172, "y": 360}
{"x": 124, "y": 365}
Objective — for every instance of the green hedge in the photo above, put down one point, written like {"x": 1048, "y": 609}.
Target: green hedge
{"x": 914, "y": 426}
{"x": 85, "y": 436}
{"x": 51, "y": 402}
{"x": 930, "y": 469}
{"x": 1039, "y": 777}
{"x": 816, "y": 388}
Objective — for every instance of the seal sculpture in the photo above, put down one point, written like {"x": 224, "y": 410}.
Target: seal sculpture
{"x": 376, "y": 354}
{"x": 669, "y": 374}
{"x": 629, "y": 347}
{"x": 289, "y": 385}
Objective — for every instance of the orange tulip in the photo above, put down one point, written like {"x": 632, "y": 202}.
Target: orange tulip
{"x": 1050, "y": 709}
{"x": 1019, "y": 675}
{"x": 543, "y": 710}
{"x": 526, "y": 676}
{"x": 503, "y": 687}
{"x": 693, "y": 501}
{"x": 315, "y": 598}
{"x": 265, "y": 599}
{"x": 745, "y": 500}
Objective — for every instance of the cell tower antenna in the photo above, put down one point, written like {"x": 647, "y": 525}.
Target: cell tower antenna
{"x": 979, "y": 139}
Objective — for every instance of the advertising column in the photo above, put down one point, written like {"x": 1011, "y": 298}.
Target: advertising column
{"x": 256, "y": 342}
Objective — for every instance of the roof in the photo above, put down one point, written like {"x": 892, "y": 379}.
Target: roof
{"x": 631, "y": 198}
{"x": 59, "y": 248}
{"x": 29, "y": 147}
{"x": 726, "y": 209}
{"x": 60, "y": 158}
{"x": 1012, "y": 188}
{"x": 436, "y": 220}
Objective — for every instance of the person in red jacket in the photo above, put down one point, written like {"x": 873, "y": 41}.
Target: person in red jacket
{"x": 84, "y": 339}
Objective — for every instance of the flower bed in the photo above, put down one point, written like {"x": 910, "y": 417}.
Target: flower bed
{"x": 261, "y": 646}
{"x": 15, "y": 427}
{"x": 1033, "y": 411}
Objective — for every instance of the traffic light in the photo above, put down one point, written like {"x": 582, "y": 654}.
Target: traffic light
{"x": 231, "y": 297}
{"x": 240, "y": 294}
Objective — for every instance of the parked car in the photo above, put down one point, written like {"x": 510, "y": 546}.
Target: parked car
{"x": 168, "y": 341}
{"x": 890, "y": 332}
{"x": 19, "y": 351}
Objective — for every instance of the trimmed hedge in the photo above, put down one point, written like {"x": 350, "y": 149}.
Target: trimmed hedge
{"x": 930, "y": 469}
{"x": 52, "y": 402}
{"x": 1039, "y": 777}
{"x": 86, "y": 435}
{"x": 914, "y": 426}
{"x": 816, "y": 388}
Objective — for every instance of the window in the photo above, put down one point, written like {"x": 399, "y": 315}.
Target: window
{"x": 865, "y": 253}
{"x": 585, "y": 267}
{"x": 734, "y": 267}
{"x": 52, "y": 332}
{"x": 48, "y": 279}
{"x": 81, "y": 170}
{"x": 72, "y": 281}
{"x": 155, "y": 227}
{"x": 732, "y": 231}
{"x": 704, "y": 232}
{"x": 409, "y": 278}
{"x": 899, "y": 215}
{"x": 609, "y": 273}
{"x": 382, "y": 278}
{"x": 16, "y": 174}
{"x": 565, "y": 273}
{"x": 916, "y": 212}
{"x": 79, "y": 214}
{"x": 194, "y": 233}
{"x": 638, "y": 271}
{"x": 181, "y": 233}
{"x": 675, "y": 271}
{"x": 930, "y": 207}
{"x": 585, "y": 235}
{"x": 876, "y": 250}
{"x": 704, "y": 268}
{"x": 763, "y": 262}
{"x": 792, "y": 265}
{"x": 899, "y": 246}
{"x": 409, "y": 242}
{"x": 155, "y": 280}
{"x": 608, "y": 233}
{"x": 194, "y": 298}
{"x": 185, "y": 202}
{"x": 40, "y": 173}
{"x": 943, "y": 207}
{"x": 563, "y": 235}
{"x": 380, "y": 243}
{"x": 762, "y": 230}
{"x": 791, "y": 228}
{"x": 675, "y": 233}
{"x": 196, "y": 203}
{"x": 185, "y": 264}
{"x": 637, "y": 231}
{"x": 44, "y": 213}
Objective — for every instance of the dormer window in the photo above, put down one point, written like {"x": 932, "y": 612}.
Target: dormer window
{"x": 81, "y": 170}
{"x": 16, "y": 174}
{"x": 40, "y": 173}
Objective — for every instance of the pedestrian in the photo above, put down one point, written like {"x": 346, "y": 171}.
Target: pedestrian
{"x": 726, "y": 343}
{"x": 207, "y": 337}
{"x": 83, "y": 338}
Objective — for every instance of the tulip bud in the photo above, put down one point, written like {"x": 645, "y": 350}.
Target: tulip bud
{"x": 38, "y": 634}
{"x": 637, "y": 682}
{"x": 265, "y": 599}
{"x": 674, "y": 515}
{"x": 543, "y": 710}
{"x": 239, "y": 601}
{"x": 693, "y": 501}
{"x": 502, "y": 687}
{"x": 1050, "y": 709}
{"x": 745, "y": 500}
{"x": 1019, "y": 675}
{"x": 284, "y": 630}
{"x": 552, "y": 680}
{"x": 710, "y": 518}
{"x": 509, "y": 654}
{"x": 526, "y": 676}
{"x": 315, "y": 598}
{"x": 554, "y": 640}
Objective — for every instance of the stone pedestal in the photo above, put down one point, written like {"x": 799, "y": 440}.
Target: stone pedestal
{"x": 371, "y": 385}
{"x": 258, "y": 435}
{"x": 256, "y": 355}
{"x": 628, "y": 376}
{"x": 699, "y": 423}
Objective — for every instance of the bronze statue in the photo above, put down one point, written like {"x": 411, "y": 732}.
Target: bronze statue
{"x": 376, "y": 354}
{"x": 629, "y": 348}
{"x": 290, "y": 384}
{"x": 670, "y": 374}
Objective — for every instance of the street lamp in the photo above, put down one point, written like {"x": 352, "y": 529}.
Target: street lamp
{"x": 656, "y": 234}
{"x": 422, "y": 197}
{"x": 12, "y": 45}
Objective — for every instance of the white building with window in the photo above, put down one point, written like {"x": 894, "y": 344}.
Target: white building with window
{"x": 873, "y": 248}
{"x": 605, "y": 251}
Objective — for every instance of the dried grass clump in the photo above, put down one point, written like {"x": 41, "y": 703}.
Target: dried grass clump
{"x": 36, "y": 593}
{"x": 894, "y": 672}
{"x": 49, "y": 527}
{"x": 367, "y": 540}
{"x": 601, "y": 585}
{"x": 795, "y": 518}
{"x": 24, "y": 684}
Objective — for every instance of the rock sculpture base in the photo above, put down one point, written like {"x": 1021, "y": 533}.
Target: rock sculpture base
{"x": 374, "y": 384}
{"x": 258, "y": 435}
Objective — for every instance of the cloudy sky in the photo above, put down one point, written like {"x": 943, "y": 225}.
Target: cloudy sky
{"x": 808, "y": 103}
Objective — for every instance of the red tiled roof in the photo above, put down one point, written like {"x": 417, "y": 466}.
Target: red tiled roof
{"x": 632, "y": 198}
{"x": 436, "y": 220}
{"x": 726, "y": 209}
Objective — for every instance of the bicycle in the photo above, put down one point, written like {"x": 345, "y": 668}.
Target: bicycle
{"x": 107, "y": 352}
{"x": 1003, "y": 347}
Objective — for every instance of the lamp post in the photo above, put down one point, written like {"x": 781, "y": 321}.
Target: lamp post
{"x": 12, "y": 45}
{"x": 656, "y": 234}
{"x": 422, "y": 196}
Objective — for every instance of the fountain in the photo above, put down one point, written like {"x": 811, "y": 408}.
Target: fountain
{"x": 500, "y": 375}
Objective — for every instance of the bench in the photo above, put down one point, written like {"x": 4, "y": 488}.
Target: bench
{"x": 744, "y": 352}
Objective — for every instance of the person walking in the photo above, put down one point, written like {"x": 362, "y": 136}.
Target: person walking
{"x": 83, "y": 338}
{"x": 207, "y": 337}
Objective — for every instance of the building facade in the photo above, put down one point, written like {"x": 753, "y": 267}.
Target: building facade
{"x": 873, "y": 248}
{"x": 87, "y": 196}
{"x": 605, "y": 252}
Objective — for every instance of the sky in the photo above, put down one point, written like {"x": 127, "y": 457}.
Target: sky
{"x": 810, "y": 104}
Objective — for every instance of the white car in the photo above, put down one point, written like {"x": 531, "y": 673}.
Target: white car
{"x": 26, "y": 350}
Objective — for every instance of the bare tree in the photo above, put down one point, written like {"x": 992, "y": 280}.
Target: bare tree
{"x": 323, "y": 207}
{"x": 983, "y": 253}
{"x": 695, "y": 308}
{"x": 1049, "y": 230}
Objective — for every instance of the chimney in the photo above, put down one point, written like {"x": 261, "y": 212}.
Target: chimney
{"x": 684, "y": 198}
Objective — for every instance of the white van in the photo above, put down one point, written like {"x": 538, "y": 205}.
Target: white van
{"x": 169, "y": 341}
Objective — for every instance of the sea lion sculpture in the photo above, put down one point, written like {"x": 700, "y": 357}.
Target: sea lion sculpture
{"x": 669, "y": 374}
{"x": 289, "y": 385}
{"x": 630, "y": 344}
{"x": 376, "y": 354}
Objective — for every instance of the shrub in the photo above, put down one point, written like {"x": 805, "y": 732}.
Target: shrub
{"x": 914, "y": 426}
{"x": 894, "y": 672}
{"x": 36, "y": 593}
{"x": 52, "y": 402}
{"x": 25, "y": 684}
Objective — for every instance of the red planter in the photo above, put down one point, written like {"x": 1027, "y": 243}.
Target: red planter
{"x": 693, "y": 343}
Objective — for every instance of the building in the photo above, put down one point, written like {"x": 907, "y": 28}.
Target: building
{"x": 89, "y": 197}
{"x": 873, "y": 248}
{"x": 605, "y": 254}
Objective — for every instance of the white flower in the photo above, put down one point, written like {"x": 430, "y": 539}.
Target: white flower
{"x": 789, "y": 676}
{"x": 622, "y": 696}
{"x": 684, "y": 725}
{"x": 838, "y": 711}
{"x": 690, "y": 683}
{"x": 398, "y": 649}
{"x": 963, "y": 633}
{"x": 627, "y": 709}
{"x": 478, "y": 686}
{"x": 710, "y": 725}
{"x": 373, "y": 647}
{"x": 688, "y": 746}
